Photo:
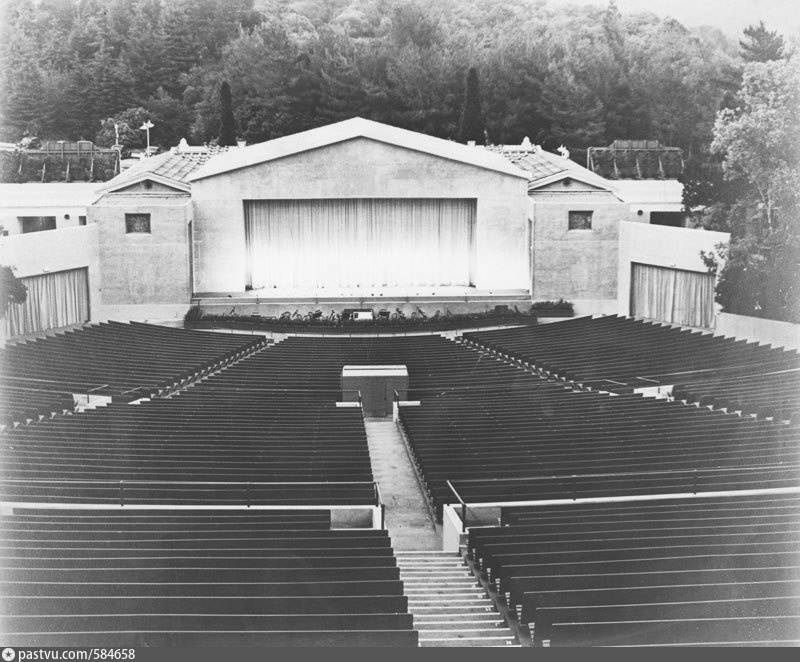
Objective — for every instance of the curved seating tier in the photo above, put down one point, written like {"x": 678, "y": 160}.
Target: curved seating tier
{"x": 126, "y": 360}
{"x": 157, "y": 578}
{"x": 24, "y": 404}
{"x": 621, "y": 354}
{"x": 545, "y": 429}
{"x": 708, "y": 570}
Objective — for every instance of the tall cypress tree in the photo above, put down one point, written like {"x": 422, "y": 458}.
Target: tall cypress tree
{"x": 471, "y": 116}
{"x": 227, "y": 129}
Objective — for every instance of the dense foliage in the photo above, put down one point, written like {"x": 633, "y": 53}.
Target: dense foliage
{"x": 580, "y": 76}
{"x": 12, "y": 290}
{"x": 755, "y": 194}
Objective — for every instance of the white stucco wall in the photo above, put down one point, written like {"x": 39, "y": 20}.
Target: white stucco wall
{"x": 577, "y": 265}
{"x": 355, "y": 168}
{"x": 767, "y": 332}
{"x": 677, "y": 248}
{"x": 52, "y": 199}
{"x": 37, "y": 253}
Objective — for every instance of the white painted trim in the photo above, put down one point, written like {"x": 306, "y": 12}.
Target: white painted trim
{"x": 159, "y": 179}
{"x": 641, "y": 497}
{"x": 356, "y": 127}
{"x": 111, "y": 506}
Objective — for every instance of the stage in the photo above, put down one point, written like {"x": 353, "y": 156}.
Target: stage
{"x": 274, "y": 302}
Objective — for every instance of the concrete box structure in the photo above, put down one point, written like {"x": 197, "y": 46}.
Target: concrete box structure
{"x": 145, "y": 275}
{"x": 579, "y": 265}
{"x": 377, "y": 384}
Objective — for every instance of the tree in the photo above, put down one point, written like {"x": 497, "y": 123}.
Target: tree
{"x": 761, "y": 45}
{"x": 758, "y": 144}
{"x": 12, "y": 290}
{"x": 128, "y": 123}
{"x": 760, "y": 139}
{"x": 227, "y": 128}
{"x": 472, "y": 127}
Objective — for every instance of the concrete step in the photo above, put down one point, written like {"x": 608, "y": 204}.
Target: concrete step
{"x": 461, "y": 643}
{"x": 456, "y": 616}
{"x": 424, "y": 610}
{"x": 466, "y": 641}
{"x": 455, "y": 626}
{"x": 450, "y": 606}
{"x": 452, "y": 603}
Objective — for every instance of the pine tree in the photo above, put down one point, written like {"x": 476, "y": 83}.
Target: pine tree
{"x": 472, "y": 126}
{"x": 227, "y": 129}
{"x": 762, "y": 45}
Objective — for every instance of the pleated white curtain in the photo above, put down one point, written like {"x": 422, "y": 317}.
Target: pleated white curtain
{"x": 672, "y": 295}
{"x": 347, "y": 243}
{"x": 54, "y": 300}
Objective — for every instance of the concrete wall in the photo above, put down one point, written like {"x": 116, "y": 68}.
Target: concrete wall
{"x": 678, "y": 248}
{"x": 767, "y": 332}
{"x": 360, "y": 168}
{"x": 144, "y": 276}
{"x": 39, "y": 253}
{"x": 577, "y": 265}
{"x": 53, "y": 199}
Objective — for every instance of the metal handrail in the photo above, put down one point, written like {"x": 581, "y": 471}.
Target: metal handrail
{"x": 614, "y": 474}
{"x": 463, "y": 506}
{"x": 245, "y": 487}
{"x": 379, "y": 503}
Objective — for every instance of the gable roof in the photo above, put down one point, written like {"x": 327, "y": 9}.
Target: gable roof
{"x": 546, "y": 167}
{"x": 171, "y": 169}
{"x": 347, "y": 130}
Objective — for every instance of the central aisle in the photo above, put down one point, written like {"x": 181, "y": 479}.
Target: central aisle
{"x": 407, "y": 519}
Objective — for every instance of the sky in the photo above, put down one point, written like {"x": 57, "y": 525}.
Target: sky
{"x": 730, "y": 16}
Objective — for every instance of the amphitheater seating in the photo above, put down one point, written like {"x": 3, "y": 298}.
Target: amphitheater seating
{"x": 665, "y": 572}
{"x": 25, "y": 404}
{"x": 126, "y": 361}
{"x": 266, "y": 431}
{"x": 545, "y": 429}
{"x": 159, "y": 578}
{"x": 621, "y": 354}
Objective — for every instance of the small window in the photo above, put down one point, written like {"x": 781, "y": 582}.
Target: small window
{"x": 137, "y": 223}
{"x": 580, "y": 220}
{"x": 37, "y": 223}
{"x": 673, "y": 219}
{"x": 81, "y": 220}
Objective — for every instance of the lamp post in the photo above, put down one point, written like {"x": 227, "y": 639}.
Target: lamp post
{"x": 146, "y": 127}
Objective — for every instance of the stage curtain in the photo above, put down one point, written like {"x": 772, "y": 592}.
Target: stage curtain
{"x": 348, "y": 243}
{"x": 54, "y": 300}
{"x": 672, "y": 295}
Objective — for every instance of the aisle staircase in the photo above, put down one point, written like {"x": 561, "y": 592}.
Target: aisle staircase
{"x": 449, "y": 605}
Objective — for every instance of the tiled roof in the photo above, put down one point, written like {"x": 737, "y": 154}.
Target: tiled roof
{"x": 538, "y": 163}
{"x": 542, "y": 165}
{"x": 174, "y": 165}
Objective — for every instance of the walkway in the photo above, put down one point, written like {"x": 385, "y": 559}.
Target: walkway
{"x": 407, "y": 519}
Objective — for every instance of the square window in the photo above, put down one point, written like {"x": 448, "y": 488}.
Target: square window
{"x": 137, "y": 223}
{"x": 580, "y": 220}
{"x": 81, "y": 220}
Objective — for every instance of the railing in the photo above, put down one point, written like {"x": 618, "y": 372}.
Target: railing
{"x": 463, "y": 506}
{"x": 379, "y": 504}
{"x": 590, "y": 488}
{"x": 95, "y": 494}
